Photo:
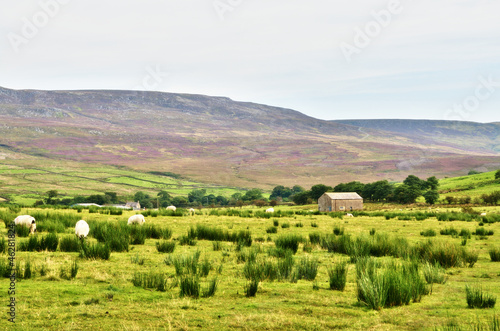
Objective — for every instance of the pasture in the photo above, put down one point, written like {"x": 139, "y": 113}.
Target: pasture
{"x": 143, "y": 288}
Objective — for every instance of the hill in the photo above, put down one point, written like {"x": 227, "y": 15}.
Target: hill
{"x": 472, "y": 186}
{"x": 216, "y": 140}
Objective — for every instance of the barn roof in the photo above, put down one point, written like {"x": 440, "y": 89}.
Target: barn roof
{"x": 344, "y": 196}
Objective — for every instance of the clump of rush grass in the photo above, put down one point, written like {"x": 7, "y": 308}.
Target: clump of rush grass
{"x": 428, "y": 233}
{"x": 95, "y": 251}
{"x": 69, "y": 272}
{"x": 165, "y": 246}
{"x": 153, "y": 279}
{"x": 217, "y": 245}
{"x": 338, "y": 276}
{"x": 189, "y": 286}
{"x": 476, "y": 298}
{"x": 136, "y": 259}
{"x": 290, "y": 241}
{"x": 306, "y": 269}
{"x": 272, "y": 229}
{"x": 494, "y": 254}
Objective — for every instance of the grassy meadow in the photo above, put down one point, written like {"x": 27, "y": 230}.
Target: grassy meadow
{"x": 256, "y": 284}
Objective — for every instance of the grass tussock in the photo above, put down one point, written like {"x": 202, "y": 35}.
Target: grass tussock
{"x": 476, "y": 298}
{"x": 337, "y": 276}
{"x": 165, "y": 246}
{"x": 95, "y": 251}
{"x": 290, "y": 242}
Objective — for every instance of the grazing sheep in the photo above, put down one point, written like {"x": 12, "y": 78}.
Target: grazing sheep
{"x": 349, "y": 215}
{"x": 81, "y": 229}
{"x": 136, "y": 219}
{"x": 171, "y": 208}
{"x": 270, "y": 210}
{"x": 191, "y": 211}
{"x": 483, "y": 214}
{"x": 27, "y": 221}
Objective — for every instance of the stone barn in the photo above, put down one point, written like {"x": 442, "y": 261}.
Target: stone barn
{"x": 340, "y": 202}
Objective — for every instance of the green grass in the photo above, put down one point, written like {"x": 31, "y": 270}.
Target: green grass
{"x": 473, "y": 185}
{"x": 277, "y": 297}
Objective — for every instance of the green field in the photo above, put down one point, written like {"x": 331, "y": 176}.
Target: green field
{"x": 22, "y": 183}
{"x": 102, "y": 295}
{"x": 473, "y": 185}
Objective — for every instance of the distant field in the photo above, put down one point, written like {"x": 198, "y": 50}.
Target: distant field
{"x": 26, "y": 181}
{"x": 473, "y": 185}
{"x": 102, "y": 295}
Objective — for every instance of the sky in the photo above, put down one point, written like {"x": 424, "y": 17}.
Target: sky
{"x": 330, "y": 59}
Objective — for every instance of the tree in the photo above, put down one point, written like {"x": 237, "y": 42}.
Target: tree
{"x": 144, "y": 199}
{"x": 297, "y": 189}
{"x": 197, "y": 195}
{"x": 51, "y": 195}
{"x": 433, "y": 183}
{"x": 222, "y": 201}
{"x": 350, "y": 187}
{"x": 406, "y": 194}
{"x": 301, "y": 198}
{"x": 253, "y": 194}
{"x": 415, "y": 182}
{"x": 111, "y": 197}
{"x": 497, "y": 174}
{"x": 318, "y": 190}
{"x": 431, "y": 197}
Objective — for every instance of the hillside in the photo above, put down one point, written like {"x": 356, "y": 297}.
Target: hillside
{"x": 218, "y": 140}
{"x": 472, "y": 186}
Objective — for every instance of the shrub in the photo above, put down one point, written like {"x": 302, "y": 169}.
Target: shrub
{"x": 289, "y": 242}
{"x": 428, "y": 233}
{"x": 338, "y": 276}
{"x": 477, "y": 299}
{"x": 495, "y": 254}
{"x": 165, "y": 246}
{"x": 69, "y": 244}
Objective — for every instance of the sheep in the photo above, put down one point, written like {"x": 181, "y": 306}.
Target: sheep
{"x": 191, "y": 211}
{"x": 136, "y": 219}
{"x": 27, "y": 221}
{"x": 171, "y": 208}
{"x": 81, "y": 229}
{"x": 483, "y": 214}
{"x": 349, "y": 215}
{"x": 270, "y": 210}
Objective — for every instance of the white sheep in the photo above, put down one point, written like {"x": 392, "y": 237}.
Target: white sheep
{"x": 349, "y": 215}
{"x": 81, "y": 229}
{"x": 27, "y": 221}
{"x": 191, "y": 211}
{"x": 171, "y": 208}
{"x": 136, "y": 219}
{"x": 270, "y": 210}
{"x": 483, "y": 214}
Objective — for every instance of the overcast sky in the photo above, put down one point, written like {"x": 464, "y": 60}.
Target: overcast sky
{"x": 330, "y": 59}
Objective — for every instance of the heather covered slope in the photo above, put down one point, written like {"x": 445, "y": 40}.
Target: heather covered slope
{"x": 218, "y": 140}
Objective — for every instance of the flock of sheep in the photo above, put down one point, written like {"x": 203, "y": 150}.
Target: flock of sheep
{"x": 82, "y": 228}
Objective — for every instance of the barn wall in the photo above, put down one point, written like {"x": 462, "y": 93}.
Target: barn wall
{"x": 348, "y": 205}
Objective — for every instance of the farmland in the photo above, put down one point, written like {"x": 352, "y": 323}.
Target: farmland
{"x": 102, "y": 295}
